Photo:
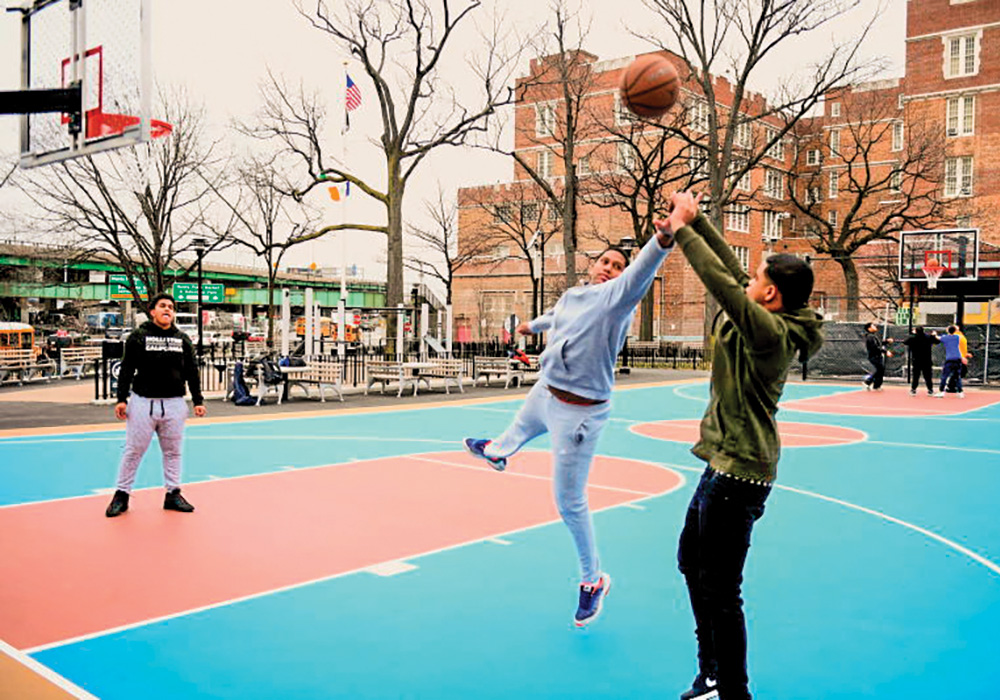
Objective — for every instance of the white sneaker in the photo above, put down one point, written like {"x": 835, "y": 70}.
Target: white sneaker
{"x": 939, "y": 395}
{"x": 961, "y": 394}
{"x": 913, "y": 392}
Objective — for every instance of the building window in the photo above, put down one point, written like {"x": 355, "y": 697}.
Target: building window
{"x": 958, "y": 177}
{"x": 501, "y": 252}
{"x": 835, "y": 141}
{"x": 622, "y": 113}
{"x": 698, "y": 163}
{"x": 626, "y": 157}
{"x": 545, "y": 119}
{"x": 896, "y": 181}
{"x": 897, "y": 136}
{"x": 961, "y": 55}
{"x": 963, "y": 222}
{"x": 545, "y": 164}
{"x": 698, "y": 116}
{"x": 744, "y": 135}
{"x": 738, "y": 218}
{"x": 812, "y": 156}
{"x": 831, "y": 217}
{"x": 529, "y": 213}
{"x": 772, "y": 225}
{"x": 777, "y": 150}
{"x": 742, "y": 254}
{"x": 834, "y": 109}
{"x": 961, "y": 115}
{"x": 583, "y": 166}
{"x": 813, "y": 195}
{"x": 553, "y": 213}
{"x": 900, "y": 101}
{"x": 774, "y": 184}
{"x": 833, "y": 189}
{"x": 502, "y": 214}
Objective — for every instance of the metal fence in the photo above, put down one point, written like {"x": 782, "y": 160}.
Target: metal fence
{"x": 843, "y": 353}
{"x": 219, "y": 362}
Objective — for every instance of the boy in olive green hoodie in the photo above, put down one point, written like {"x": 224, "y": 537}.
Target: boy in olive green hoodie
{"x": 764, "y": 323}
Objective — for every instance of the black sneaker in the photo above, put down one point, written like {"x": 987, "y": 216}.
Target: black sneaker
{"x": 118, "y": 505}
{"x": 704, "y": 687}
{"x": 591, "y": 600}
{"x": 175, "y": 501}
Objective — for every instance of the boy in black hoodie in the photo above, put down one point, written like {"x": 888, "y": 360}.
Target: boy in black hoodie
{"x": 161, "y": 359}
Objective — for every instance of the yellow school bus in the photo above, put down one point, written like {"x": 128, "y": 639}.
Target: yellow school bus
{"x": 328, "y": 329}
{"x": 17, "y": 336}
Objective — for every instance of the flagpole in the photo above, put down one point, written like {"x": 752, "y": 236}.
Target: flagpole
{"x": 342, "y": 305}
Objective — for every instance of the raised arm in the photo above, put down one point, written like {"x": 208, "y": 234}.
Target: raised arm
{"x": 628, "y": 289}
{"x": 693, "y": 231}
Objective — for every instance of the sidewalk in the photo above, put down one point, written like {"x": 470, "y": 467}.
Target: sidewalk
{"x": 68, "y": 402}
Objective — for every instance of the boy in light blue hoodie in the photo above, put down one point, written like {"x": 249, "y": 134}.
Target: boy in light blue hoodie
{"x": 571, "y": 400}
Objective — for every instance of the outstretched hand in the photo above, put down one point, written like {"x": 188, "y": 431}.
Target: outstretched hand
{"x": 683, "y": 210}
{"x": 524, "y": 329}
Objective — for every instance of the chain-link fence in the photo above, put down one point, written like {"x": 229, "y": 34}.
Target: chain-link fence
{"x": 843, "y": 354}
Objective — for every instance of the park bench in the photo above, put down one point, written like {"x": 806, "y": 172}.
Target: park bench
{"x": 321, "y": 370}
{"x": 386, "y": 371}
{"x": 448, "y": 370}
{"x": 76, "y": 360}
{"x": 506, "y": 368}
{"x": 24, "y": 365}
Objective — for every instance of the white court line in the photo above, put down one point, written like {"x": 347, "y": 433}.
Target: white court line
{"x": 391, "y": 568}
{"x": 46, "y": 672}
{"x": 979, "y": 559}
{"x": 321, "y": 579}
{"x": 617, "y": 489}
{"x": 499, "y": 540}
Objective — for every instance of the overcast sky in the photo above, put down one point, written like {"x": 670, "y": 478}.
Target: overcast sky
{"x": 219, "y": 50}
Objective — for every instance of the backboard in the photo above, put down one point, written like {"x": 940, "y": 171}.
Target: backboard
{"x": 102, "y": 44}
{"x": 955, "y": 250}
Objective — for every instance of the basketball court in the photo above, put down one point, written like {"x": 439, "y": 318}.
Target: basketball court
{"x": 364, "y": 555}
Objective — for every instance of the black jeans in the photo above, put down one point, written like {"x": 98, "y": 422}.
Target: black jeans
{"x": 712, "y": 551}
{"x": 875, "y": 378}
{"x": 922, "y": 368}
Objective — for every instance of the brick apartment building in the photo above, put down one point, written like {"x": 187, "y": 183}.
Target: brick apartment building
{"x": 949, "y": 96}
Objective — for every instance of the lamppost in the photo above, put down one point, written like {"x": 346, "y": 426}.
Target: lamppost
{"x": 627, "y": 244}
{"x": 199, "y": 246}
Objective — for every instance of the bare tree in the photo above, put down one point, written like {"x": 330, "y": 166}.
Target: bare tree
{"x": 562, "y": 83}
{"x": 520, "y": 219}
{"x": 401, "y": 46}
{"x": 734, "y": 38}
{"x": 140, "y": 206}
{"x": 265, "y": 219}
{"x": 637, "y": 166}
{"x": 442, "y": 242}
{"x": 888, "y": 176}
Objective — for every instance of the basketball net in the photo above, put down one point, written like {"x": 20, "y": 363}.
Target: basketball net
{"x": 933, "y": 272}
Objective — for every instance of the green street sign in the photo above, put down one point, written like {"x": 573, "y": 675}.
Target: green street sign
{"x": 210, "y": 293}
{"x": 118, "y": 285}
{"x": 902, "y": 315}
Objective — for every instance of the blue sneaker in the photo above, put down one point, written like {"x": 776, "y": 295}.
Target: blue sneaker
{"x": 591, "y": 600}
{"x": 475, "y": 448}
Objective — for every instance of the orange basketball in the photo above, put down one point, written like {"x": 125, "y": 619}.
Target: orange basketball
{"x": 649, "y": 86}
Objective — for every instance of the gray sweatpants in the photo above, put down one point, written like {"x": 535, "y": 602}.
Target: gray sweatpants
{"x": 166, "y": 418}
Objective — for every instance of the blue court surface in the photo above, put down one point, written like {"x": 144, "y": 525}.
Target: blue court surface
{"x": 873, "y": 574}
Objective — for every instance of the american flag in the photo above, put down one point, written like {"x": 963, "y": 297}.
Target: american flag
{"x": 352, "y": 98}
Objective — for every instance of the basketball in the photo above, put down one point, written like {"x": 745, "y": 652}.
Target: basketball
{"x": 649, "y": 86}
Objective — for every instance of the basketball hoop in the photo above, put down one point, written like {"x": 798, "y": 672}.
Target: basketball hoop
{"x": 933, "y": 272}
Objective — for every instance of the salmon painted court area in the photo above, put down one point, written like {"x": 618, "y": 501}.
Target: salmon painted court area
{"x": 364, "y": 554}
